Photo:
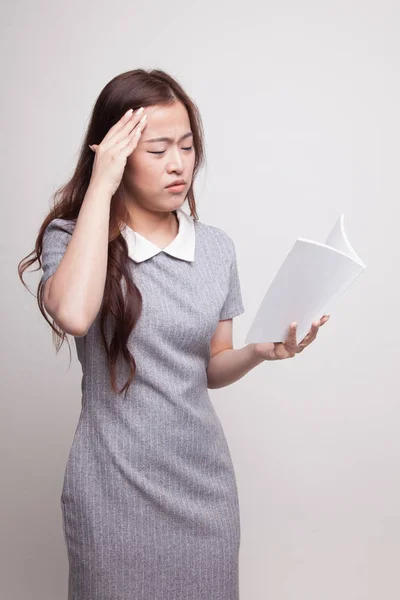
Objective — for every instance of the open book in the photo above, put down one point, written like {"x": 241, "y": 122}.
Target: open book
{"x": 310, "y": 281}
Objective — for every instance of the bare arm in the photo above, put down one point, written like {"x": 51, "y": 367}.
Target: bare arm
{"x": 230, "y": 364}
{"x": 73, "y": 295}
{"x": 226, "y": 364}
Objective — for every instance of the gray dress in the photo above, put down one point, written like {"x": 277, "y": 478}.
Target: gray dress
{"x": 149, "y": 502}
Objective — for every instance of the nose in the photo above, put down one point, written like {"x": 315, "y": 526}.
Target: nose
{"x": 176, "y": 161}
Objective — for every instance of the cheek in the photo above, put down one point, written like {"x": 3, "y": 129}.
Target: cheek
{"x": 151, "y": 177}
{"x": 140, "y": 166}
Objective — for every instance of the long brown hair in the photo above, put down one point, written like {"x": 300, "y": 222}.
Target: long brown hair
{"x": 132, "y": 89}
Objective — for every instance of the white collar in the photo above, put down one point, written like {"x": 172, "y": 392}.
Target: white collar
{"x": 140, "y": 248}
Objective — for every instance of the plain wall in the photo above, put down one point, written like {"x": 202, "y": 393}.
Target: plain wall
{"x": 300, "y": 105}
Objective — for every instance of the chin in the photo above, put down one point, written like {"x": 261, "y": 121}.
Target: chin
{"x": 173, "y": 204}
{"x": 176, "y": 201}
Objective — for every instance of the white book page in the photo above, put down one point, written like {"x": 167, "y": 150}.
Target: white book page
{"x": 312, "y": 277}
{"x": 338, "y": 239}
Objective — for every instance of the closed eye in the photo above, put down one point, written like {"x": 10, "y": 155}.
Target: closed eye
{"x": 162, "y": 151}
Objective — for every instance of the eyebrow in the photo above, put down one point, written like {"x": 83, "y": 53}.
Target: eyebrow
{"x": 167, "y": 139}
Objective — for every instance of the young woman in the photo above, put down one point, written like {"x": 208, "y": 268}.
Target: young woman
{"x": 149, "y": 500}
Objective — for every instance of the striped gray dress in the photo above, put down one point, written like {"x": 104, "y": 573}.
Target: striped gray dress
{"x": 149, "y": 502}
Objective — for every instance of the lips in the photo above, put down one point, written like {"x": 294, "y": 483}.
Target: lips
{"x": 177, "y": 182}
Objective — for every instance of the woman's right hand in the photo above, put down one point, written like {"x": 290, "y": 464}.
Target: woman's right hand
{"x": 112, "y": 153}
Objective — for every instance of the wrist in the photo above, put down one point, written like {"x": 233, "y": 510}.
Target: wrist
{"x": 255, "y": 353}
{"x": 99, "y": 190}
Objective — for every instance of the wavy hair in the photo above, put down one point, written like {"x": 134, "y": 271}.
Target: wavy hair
{"x": 132, "y": 89}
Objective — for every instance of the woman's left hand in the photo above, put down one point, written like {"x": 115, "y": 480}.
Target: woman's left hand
{"x": 289, "y": 348}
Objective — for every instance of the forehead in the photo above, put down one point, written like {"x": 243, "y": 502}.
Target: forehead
{"x": 167, "y": 119}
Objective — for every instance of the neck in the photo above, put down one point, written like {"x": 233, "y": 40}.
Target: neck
{"x": 156, "y": 223}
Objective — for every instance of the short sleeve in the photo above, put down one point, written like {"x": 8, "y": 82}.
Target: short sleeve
{"x": 56, "y": 238}
{"x": 233, "y": 305}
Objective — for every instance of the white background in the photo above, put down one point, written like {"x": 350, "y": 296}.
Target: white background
{"x": 300, "y": 106}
